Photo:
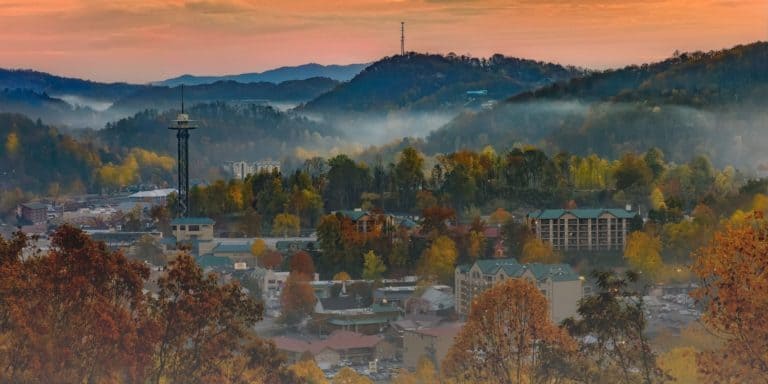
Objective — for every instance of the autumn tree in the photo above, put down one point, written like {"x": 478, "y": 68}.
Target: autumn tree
{"x": 301, "y": 264}
{"x": 538, "y": 251}
{"x": 286, "y": 224}
{"x": 308, "y": 371}
{"x": 733, "y": 285}
{"x": 610, "y": 329}
{"x": 439, "y": 260}
{"x": 341, "y": 276}
{"x": 507, "y": 327}
{"x": 499, "y": 217}
{"x": 271, "y": 259}
{"x": 74, "y": 314}
{"x": 258, "y": 247}
{"x": 202, "y": 324}
{"x": 643, "y": 253}
{"x": 348, "y": 375}
{"x": 373, "y": 266}
{"x": 148, "y": 249}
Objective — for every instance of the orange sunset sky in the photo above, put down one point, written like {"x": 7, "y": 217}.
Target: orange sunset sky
{"x": 147, "y": 40}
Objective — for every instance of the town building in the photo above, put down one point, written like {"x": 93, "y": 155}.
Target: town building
{"x": 599, "y": 229}
{"x": 558, "y": 282}
{"x": 432, "y": 343}
{"x": 34, "y": 213}
{"x": 242, "y": 169}
{"x": 340, "y": 346}
{"x": 195, "y": 232}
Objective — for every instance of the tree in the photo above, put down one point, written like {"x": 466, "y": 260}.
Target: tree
{"x": 539, "y": 251}
{"x": 680, "y": 363}
{"x": 203, "y": 324}
{"x": 515, "y": 236}
{"x": 74, "y": 314}
{"x": 297, "y": 299}
{"x": 439, "y": 260}
{"x": 409, "y": 177}
{"x": 148, "y": 249}
{"x": 309, "y": 371}
{"x": 499, "y": 217}
{"x": 373, "y": 266}
{"x": 348, "y": 375}
{"x": 258, "y": 247}
{"x": 285, "y": 224}
{"x": 610, "y": 330}
{"x": 435, "y": 220}
{"x": 643, "y": 253}
{"x": 301, "y": 264}
{"x": 271, "y": 259}
{"x": 733, "y": 285}
{"x": 341, "y": 276}
{"x": 507, "y": 327}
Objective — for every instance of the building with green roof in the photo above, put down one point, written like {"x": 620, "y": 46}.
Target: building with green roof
{"x": 600, "y": 229}
{"x": 558, "y": 282}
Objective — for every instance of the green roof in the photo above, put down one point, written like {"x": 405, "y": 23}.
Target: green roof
{"x": 192, "y": 221}
{"x": 379, "y": 308}
{"x": 353, "y": 215}
{"x": 209, "y": 260}
{"x": 582, "y": 213}
{"x": 233, "y": 248}
{"x": 556, "y": 272}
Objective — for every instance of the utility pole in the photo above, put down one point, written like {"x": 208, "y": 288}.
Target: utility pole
{"x": 402, "y": 38}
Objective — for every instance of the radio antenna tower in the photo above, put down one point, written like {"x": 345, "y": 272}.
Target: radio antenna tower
{"x": 182, "y": 126}
{"x": 402, "y": 38}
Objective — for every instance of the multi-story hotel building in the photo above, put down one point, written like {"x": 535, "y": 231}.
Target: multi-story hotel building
{"x": 582, "y": 229}
{"x": 558, "y": 282}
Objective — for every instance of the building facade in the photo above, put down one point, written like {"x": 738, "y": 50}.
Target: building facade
{"x": 432, "y": 343}
{"x": 241, "y": 169}
{"x": 558, "y": 282}
{"x": 34, "y": 213}
{"x": 582, "y": 229}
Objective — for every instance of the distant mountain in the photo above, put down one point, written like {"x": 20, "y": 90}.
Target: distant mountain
{"x": 57, "y": 86}
{"x": 278, "y": 75}
{"x": 712, "y": 103}
{"x": 420, "y": 82}
{"x": 162, "y": 97}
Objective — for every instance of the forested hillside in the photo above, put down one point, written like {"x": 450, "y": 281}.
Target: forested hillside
{"x": 709, "y": 103}
{"x": 424, "y": 82}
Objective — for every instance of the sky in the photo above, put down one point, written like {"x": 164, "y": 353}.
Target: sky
{"x": 148, "y": 40}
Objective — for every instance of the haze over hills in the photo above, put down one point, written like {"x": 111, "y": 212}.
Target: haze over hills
{"x": 56, "y": 86}
{"x": 712, "y": 103}
{"x": 162, "y": 97}
{"x": 277, "y": 75}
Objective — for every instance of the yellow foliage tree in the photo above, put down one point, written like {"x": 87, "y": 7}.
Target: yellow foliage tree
{"x": 657, "y": 199}
{"x": 439, "y": 260}
{"x": 680, "y": 363}
{"x": 643, "y": 253}
{"x": 476, "y": 244}
{"x": 538, "y": 251}
{"x": 348, "y": 375}
{"x": 258, "y": 247}
{"x": 12, "y": 144}
{"x": 373, "y": 266}
{"x": 285, "y": 224}
{"x": 342, "y": 276}
{"x": 309, "y": 372}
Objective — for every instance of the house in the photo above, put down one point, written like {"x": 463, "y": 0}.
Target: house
{"x": 433, "y": 343}
{"x": 350, "y": 314}
{"x": 582, "y": 229}
{"x": 196, "y": 232}
{"x": 236, "y": 252}
{"x": 34, "y": 213}
{"x": 367, "y": 222}
{"x": 339, "y": 346}
{"x": 558, "y": 282}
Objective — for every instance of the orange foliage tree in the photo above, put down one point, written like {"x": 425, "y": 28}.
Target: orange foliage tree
{"x": 507, "y": 327}
{"x": 732, "y": 269}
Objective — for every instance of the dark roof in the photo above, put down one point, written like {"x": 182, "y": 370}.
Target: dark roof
{"x": 353, "y": 215}
{"x": 340, "y": 303}
{"x": 34, "y": 205}
{"x": 192, "y": 221}
{"x": 582, "y": 213}
{"x": 233, "y": 248}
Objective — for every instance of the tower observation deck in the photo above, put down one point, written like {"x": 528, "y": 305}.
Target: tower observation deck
{"x": 182, "y": 125}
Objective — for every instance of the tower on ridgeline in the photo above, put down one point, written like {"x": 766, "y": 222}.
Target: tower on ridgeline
{"x": 402, "y": 38}
{"x": 182, "y": 126}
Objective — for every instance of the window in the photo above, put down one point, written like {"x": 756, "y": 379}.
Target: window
{"x": 173, "y": 227}
{"x": 183, "y": 227}
{"x": 194, "y": 227}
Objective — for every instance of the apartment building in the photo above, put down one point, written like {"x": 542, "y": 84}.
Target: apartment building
{"x": 601, "y": 229}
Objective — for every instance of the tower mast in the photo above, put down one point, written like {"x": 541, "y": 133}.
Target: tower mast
{"x": 182, "y": 126}
{"x": 402, "y": 38}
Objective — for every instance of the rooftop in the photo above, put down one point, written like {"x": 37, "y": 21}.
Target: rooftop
{"x": 582, "y": 213}
{"x": 34, "y": 205}
{"x": 153, "y": 193}
{"x": 192, "y": 221}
